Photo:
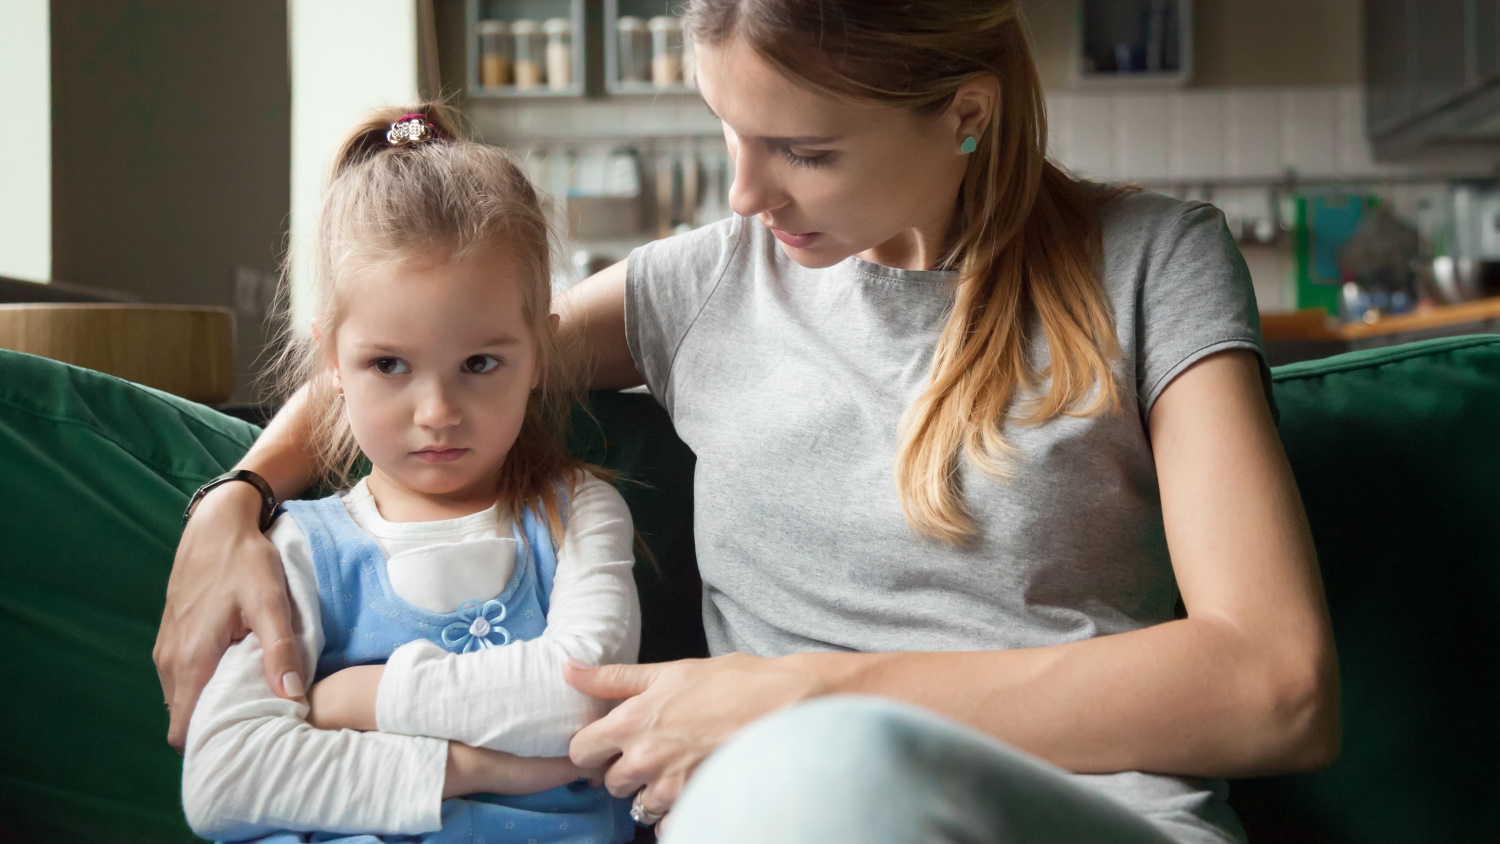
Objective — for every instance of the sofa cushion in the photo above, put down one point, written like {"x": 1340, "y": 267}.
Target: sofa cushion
{"x": 1397, "y": 456}
{"x": 95, "y": 475}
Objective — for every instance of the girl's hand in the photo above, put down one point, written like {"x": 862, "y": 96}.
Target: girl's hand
{"x": 474, "y": 770}
{"x": 345, "y": 700}
{"x": 227, "y": 580}
{"x": 675, "y": 714}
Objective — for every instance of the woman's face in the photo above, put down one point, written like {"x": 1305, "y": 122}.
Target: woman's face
{"x": 436, "y": 362}
{"x": 831, "y": 179}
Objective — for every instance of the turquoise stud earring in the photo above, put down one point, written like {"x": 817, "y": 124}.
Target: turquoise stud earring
{"x": 969, "y": 144}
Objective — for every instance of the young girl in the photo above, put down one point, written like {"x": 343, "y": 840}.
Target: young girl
{"x": 433, "y": 355}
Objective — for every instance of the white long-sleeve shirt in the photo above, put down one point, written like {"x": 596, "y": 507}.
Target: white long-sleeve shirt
{"x": 254, "y": 765}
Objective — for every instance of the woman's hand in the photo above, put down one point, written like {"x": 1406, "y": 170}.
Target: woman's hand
{"x": 345, "y": 700}
{"x": 226, "y": 580}
{"x": 675, "y": 714}
{"x": 474, "y": 770}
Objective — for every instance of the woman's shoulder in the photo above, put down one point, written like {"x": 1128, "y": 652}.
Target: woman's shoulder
{"x": 1130, "y": 213}
{"x": 707, "y": 243}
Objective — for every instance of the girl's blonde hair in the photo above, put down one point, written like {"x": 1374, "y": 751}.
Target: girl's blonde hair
{"x": 1027, "y": 244}
{"x": 452, "y": 198}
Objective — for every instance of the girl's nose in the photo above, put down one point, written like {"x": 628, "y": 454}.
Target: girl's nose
{"x": 437, "y": 409}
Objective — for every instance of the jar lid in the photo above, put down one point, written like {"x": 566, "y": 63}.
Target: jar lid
{"x": 665, "y": 23}
{"x": 629, "y": 24}
{"x": 525, "y": 27}
{"x": 557, "y": 25}
{"x": 491, "y": 27}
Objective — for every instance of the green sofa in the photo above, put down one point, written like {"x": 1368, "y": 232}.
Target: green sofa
{"x": 1396, "y": 451}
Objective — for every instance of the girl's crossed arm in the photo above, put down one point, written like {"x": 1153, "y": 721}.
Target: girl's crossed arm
{"x": 512, "y": 698}
{"x": 254, "y": 765}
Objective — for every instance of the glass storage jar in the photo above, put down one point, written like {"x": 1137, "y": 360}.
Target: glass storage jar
{"x": 634, "y": 50}
{"x": 494, "y": 53}
{"x": 666, "y": 51}
{"x": 527, "y": 63}
{"x": 559, "y": 53}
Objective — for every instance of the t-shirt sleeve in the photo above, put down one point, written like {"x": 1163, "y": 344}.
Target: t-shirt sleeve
{"x": 1196, "y": 299}
{"x": 667, "y": 283}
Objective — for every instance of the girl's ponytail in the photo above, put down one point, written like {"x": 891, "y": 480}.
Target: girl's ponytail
{"x": 368, "y": 138}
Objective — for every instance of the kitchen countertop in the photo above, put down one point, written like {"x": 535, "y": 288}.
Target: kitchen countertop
{"x": 1314, "y": 324}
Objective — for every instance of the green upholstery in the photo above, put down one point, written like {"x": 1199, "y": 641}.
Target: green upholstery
{"x": 1397, "y": 453}
{"x": 1397, "y": 456}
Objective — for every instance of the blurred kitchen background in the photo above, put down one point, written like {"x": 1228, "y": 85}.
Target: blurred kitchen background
{"x": 167, "y": 151}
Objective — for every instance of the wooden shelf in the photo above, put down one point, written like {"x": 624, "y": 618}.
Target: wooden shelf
{"x": 182, "y": 349}
{"x": 1316, "y": 325}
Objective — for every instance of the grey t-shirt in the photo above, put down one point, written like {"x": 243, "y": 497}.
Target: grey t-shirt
{"x": 789, "y": 383}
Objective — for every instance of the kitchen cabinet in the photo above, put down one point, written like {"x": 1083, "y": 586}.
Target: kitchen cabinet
{"x": 1132, "y": 43}
{"x": 1483, "y": 26}
{"x": 1432, "y": 74}
{"x": 545, "y": 59}
{"x": 1387, "y": 95}
{"x": 1438, "y": 57}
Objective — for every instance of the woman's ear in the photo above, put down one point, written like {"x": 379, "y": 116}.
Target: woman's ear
{"x": 973, "y": 106}
{"x": 553, "y": 321}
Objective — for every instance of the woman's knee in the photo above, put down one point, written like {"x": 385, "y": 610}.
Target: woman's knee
{"x": 848, "y": 736}
{"x": 834, "y": 769}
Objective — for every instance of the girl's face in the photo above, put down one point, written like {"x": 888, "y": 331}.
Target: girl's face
{"x": 831, "y": 179}
{"x": 436, "y": 362}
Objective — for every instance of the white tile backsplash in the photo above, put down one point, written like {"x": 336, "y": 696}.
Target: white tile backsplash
{"x": 1254, "y": 133}
{"x": 1310, "y": 131}
{"x": 1159, "y": 137}
{"x": 1091, "y": 136}
{"x": 1195, "y": 132}
{"x": 1240, "y": 134}
{"x": 1141, "y": 143}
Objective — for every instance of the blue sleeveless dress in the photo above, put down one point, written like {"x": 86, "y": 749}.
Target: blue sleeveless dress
{"x": 364, "y": 621}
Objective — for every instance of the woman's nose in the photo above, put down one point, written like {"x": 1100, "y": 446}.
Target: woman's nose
{"x": 753, "y": 191}
{"x": 437, "y": 409}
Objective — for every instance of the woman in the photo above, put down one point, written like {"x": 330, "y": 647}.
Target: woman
{"x": 965, "y": 427}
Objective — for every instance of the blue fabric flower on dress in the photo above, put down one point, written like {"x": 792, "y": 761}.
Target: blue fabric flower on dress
{"x": 477, "y": 628}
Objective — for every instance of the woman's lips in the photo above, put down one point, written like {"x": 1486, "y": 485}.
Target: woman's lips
{"x": 800, "y": 241}
{"x": 440, "y": 455}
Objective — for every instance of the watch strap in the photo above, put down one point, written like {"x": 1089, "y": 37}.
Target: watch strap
{"x": 268, "y": 507}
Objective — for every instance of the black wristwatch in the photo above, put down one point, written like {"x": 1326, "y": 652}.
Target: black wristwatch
{"x": 268, "y": 506}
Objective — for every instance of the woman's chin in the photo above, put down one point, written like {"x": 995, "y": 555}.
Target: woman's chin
{"x": 818, "y": 257}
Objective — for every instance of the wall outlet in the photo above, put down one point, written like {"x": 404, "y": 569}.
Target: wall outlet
{"x": 254, "y": 290}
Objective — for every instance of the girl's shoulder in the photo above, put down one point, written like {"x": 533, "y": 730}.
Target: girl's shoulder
{"x": 586, "y": 498}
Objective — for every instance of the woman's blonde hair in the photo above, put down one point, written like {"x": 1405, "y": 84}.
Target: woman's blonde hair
{"x": 451, "y": 198}
{"x": 1026, "y": 243}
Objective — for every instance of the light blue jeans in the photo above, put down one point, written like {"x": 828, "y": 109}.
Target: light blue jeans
{"x": 868, "y": 770}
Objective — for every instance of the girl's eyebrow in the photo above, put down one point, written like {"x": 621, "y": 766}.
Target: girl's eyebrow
{"x": 800, "y": 140}
{"x": 366, "y": 347}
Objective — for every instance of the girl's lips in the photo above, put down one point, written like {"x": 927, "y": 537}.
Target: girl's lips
{"x": 799, "y": 241}
{"x": 441, "y": 455}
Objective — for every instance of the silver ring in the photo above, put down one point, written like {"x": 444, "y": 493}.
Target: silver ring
{"x": 639, "y": 813}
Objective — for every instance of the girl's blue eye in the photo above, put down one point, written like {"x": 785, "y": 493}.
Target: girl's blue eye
{"x": 390, "y": 366}
{"x": 480, "y": 364}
